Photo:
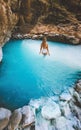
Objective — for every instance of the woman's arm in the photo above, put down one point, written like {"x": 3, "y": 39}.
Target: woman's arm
{"x": 48, "y": 50}
{"x": 40, "y": 48}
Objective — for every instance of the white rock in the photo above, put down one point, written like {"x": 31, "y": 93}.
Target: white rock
{"x": 36, "y": 103}
{"x": 4, "y": 113}
{"x": 65, "y": 97}
{"x": 71, "y": 91}
{"x": 76, "y": 122}
{"x": 66, "y": 110}
{"x": 1, "y": 54}
{"x": 28, "y": 115}
{"x": 63, "y": 124}
{"x": 51, "y": 111}
{"x": 62, "y": 103}
{"x": 34, "y": 37}
{"x": 41, "y": 123}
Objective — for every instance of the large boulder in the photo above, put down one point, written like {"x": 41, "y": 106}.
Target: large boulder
{"x": 15, "y": 120}
{"x": 28, "y": 116}
{"x": 4, "y": 117}
{"x": 65, "y": 96}
{"x": 3, "y": 123}
{"x": 63, "y": 124}
{"x": 51, "y": 111}
{"x": 65, "y": 109}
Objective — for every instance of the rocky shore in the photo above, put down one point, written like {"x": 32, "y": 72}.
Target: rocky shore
{"x": 68, "y": 33}
{"x": 54, "y": 113}
{"x": 64, "y": 38}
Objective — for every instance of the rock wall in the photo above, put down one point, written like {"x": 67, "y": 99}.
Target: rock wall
{"x": 50, "y": 11}
{"x": 8, "y": 20}
{"x": 54, "y": 113}
{"x": 28, "y": 17}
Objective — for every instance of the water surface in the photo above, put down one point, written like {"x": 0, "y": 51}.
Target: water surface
{"x": 26, "y": 75}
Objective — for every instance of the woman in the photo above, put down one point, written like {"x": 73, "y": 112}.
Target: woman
{"x": 44, "y": 47}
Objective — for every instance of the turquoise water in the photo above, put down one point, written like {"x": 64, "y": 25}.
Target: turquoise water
{"x": 26, "y": 75}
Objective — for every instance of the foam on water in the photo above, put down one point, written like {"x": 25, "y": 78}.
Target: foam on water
{"x": 26, "y": 75}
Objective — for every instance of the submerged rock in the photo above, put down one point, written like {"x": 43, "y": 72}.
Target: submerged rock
{"x": 51, "y": 111}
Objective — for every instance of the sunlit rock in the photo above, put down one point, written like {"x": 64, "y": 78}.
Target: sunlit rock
{"x": 35, "y": 104}
{"x": 71, "y": 91}
{"x": 51, "y": 111}
{"x": 65, "y": 96}
{"x": 4, "y": 113}
{"x": 34, "y": 36}
{"x": 28, "y": 116}
{"x": 3, "y": 123}
{"x": 76, "y": 41}
{"x": 4, "y": 117}
{"x": 15, "y": 120}
{"x": 65, "y": 110}
{"x": 63, "y": 124}
{"x": 41, "y": 123}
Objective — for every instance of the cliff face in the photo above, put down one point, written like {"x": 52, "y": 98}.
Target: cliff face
{"x": 51, "y": 11}
{"x": 29, "y": 13}
{"x": 8, "y": 19}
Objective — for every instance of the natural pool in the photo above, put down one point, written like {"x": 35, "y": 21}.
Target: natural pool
{"x": 26, "y": 75}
